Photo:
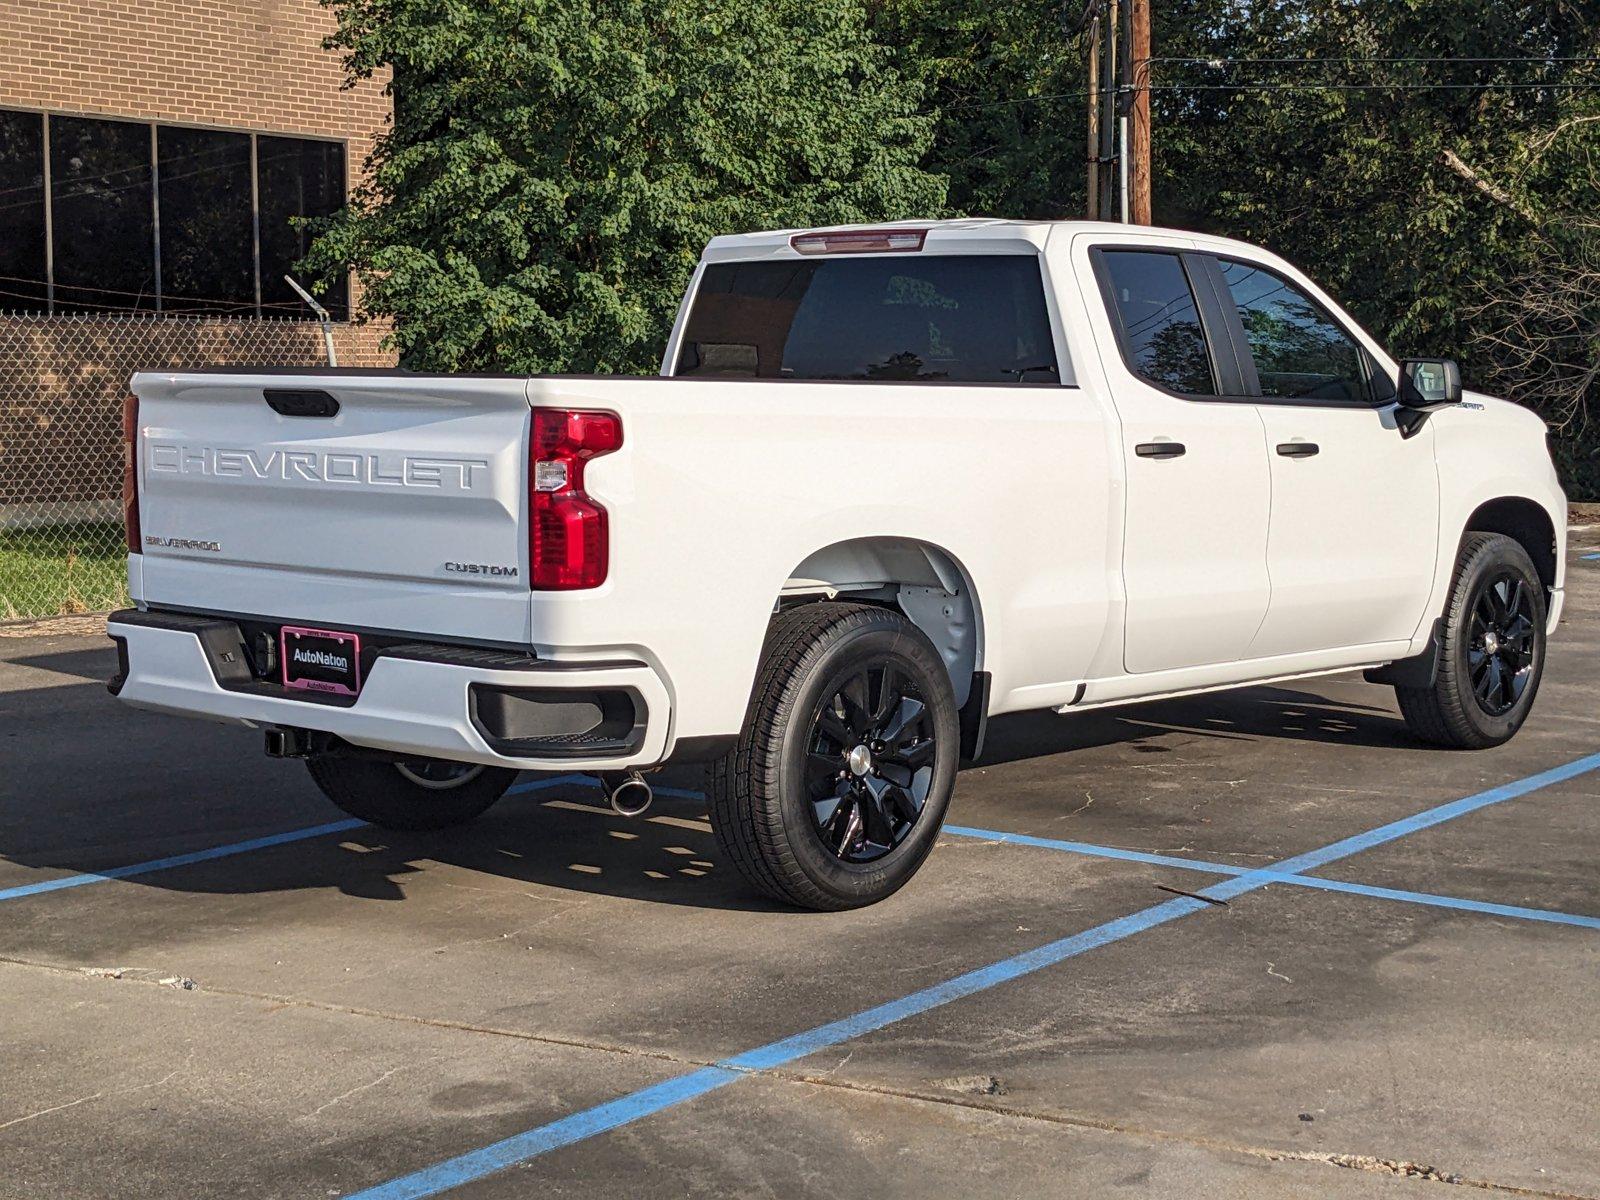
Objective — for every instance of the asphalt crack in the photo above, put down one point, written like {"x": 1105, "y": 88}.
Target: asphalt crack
{"x": 983, "y": 1100}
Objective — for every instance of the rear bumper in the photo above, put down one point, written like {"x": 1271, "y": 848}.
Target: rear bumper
{"x": 469, "y": 705}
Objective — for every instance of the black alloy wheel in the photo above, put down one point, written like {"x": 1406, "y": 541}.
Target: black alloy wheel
{"x": 1490, "y": 649}
{"x": 870, "y": 762}
{"x": 1500, "y": 655}
{"x": 845, "y": 766}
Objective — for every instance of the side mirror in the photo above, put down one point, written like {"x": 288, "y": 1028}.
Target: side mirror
{"x": 1429, "y": 384}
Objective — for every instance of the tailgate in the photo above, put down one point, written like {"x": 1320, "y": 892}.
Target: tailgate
{"x": 403, "y": 510}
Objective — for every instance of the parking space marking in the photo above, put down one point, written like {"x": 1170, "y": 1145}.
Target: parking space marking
{"x": 1095, "y": 850}
{"x": 1091, "y": 850}
{"x": 520, "y": 1148}
{"x": 232, "y": 848}
{"x": 179, "y": 860}
{"x": 624, "y": 1110}
{"x": 1596, "y": 554}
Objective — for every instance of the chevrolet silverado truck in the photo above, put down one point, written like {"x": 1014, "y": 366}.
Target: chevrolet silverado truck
{"x": 891, "y": 482}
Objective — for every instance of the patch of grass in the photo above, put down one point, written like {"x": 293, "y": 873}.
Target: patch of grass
{"x": 52, "y": 570}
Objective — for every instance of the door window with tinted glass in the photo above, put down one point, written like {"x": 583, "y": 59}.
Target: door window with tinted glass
{"x": 1298, "y": 350}
{"x": 1162, "y": 336}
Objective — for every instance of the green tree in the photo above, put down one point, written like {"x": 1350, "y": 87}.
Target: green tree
{"x": 1005, "y": 82}
{"x": 555, "y": 166}
{"x": 1450, "y": 204}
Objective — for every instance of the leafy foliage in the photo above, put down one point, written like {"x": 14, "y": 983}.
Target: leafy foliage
{"x": 1451, "y": 213}
{"x": 1005, "y": 81}
{"x": 555, "y": 166}
{"x": 1450, "y": 205}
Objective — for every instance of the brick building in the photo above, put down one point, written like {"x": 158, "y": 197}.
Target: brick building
{"x": 153, "y": 155}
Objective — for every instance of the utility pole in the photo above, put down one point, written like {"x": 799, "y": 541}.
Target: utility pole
{"x": 1110, "y": 41}
{"x": 1123, "y": 32}
{"x": 1137, "y": 147}
{"x": 1118, "y": 142}
{"x": 1092, "y": 149}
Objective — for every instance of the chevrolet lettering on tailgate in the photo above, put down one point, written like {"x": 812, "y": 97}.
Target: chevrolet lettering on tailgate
{"x": 320, "y": 466}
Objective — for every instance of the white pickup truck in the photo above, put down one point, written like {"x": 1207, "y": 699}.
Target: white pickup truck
{"x": 891, "y": 482}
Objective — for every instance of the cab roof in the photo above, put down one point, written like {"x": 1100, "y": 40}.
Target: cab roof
{"x": 961, "y": 235}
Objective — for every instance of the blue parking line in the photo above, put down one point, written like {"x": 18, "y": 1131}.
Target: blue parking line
{"x": 1433, "y": 900}
{"x": 1093, "y": 850}
{"x": 1313, "y": 859}
{"x": 1596, "y": 554}
{"x": 454, "y": 1172}
{"x": 179, "y": 860}
{"x": 519, "y": 1148}
{"x": 232, "y": 848}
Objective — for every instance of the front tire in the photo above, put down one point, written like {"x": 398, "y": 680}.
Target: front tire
{"x": 844, "y": 769}
{"x": 1492, "y": 656}
{"x": 418, "y": 794}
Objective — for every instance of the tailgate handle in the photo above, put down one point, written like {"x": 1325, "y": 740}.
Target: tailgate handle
{"x": 298, "y": 402}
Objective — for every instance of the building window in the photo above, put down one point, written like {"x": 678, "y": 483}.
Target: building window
{"x": 298, "y": 178}
{"x": 115, "y": 216}
{"x": 207, "y": 256}
{"x": 100, "y": 203}
{"x": 22, "y": 252}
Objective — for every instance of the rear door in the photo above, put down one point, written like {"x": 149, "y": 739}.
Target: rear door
{"x": 1196, "y": 509}
{"x": 1355, "y": 505}
{"x": 350, "y": 500}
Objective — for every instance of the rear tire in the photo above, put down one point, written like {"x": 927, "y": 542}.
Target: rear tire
{"x": 423, "y": 793}
{"x": 844, "y": 769}
{"x": 1492, "y": 656}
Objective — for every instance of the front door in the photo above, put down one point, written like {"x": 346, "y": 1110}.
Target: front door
{"x": 1198, "y": 488}
{"x": 1355, "y": 506}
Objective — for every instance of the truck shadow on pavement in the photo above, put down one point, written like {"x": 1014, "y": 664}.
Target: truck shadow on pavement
{"x": 1248, "y": 714}
{"x": 91, "y": 786}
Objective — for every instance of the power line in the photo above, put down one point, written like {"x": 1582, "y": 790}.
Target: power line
{"x": 238, "y": 305}
{"x": 1358, "y": 59}
{"x": 1096, "y": 92}
{"x": 1373, "y": 87}
{"x": 1275, "y": 87}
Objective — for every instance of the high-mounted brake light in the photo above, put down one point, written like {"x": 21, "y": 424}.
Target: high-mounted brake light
{"x": 130, "y": 473}
{"x": 859, "y": 241}
{"x": 569, "y": 542}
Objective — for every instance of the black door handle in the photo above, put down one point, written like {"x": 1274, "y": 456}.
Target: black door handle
{"x": 1298, "y": 449}
{"x": 1159, "y": 449}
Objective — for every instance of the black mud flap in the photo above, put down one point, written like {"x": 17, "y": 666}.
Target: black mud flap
{"x": 975, "y": 717}
{"x": 1418, "y": 671}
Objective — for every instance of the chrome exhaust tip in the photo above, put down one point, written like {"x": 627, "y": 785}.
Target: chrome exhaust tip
{"x": 629, "y": 796}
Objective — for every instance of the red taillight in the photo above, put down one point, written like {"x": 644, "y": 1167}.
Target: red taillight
{"x": 859, "y": 241}
{"x": 130, "y": 472}
{"x": 569, "y": 542}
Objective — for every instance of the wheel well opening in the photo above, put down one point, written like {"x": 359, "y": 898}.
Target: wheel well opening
{"x": 1526, "y": 523}
{"x": 920, "y": 580}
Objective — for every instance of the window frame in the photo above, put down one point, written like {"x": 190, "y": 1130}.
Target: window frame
{"x": 1371, "y": 376}
{"x": 1226, "y": 342}
{"x": 1066, "y": 373}
{"x": 1221, "y": 348}
{"x": 52, "y": 304}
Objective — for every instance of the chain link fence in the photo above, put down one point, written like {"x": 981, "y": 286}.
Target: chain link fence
{"x": 63, "y": 380}
{"x": 62, "y": 383}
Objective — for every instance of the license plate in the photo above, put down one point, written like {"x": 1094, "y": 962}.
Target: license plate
{"x": 320, "y": 660}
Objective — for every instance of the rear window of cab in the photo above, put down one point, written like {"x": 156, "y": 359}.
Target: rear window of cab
{"x": 929, "y": 318}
